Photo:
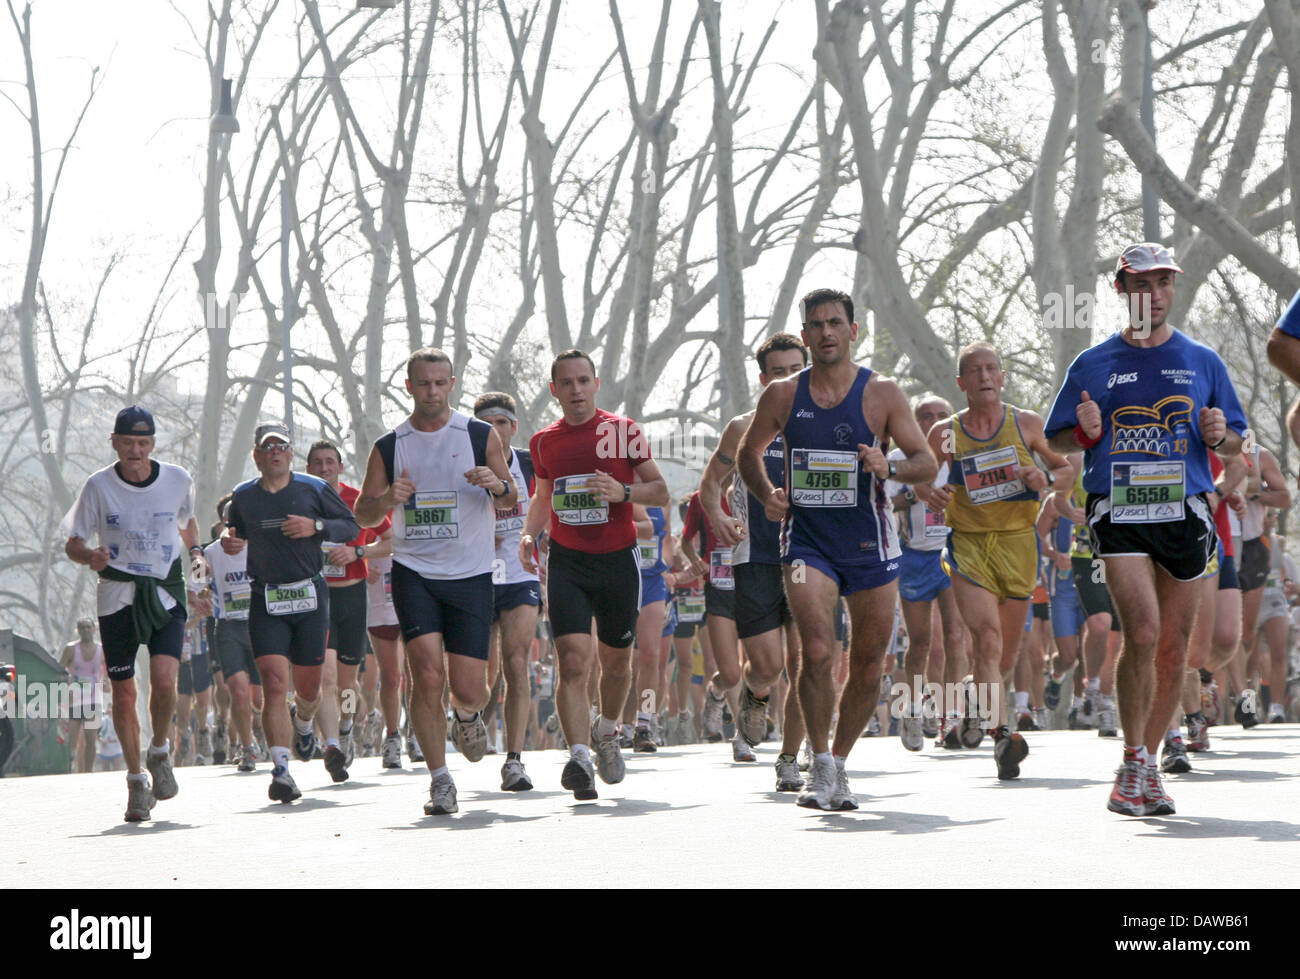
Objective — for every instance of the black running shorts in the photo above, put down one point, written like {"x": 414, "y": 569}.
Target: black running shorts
{"x": 298, "y": 635}
{"x": 459, "y": 609}
{"x": 760, "y": 599}
{"x": 1182, "y": 547}
{"x": 582, "y": 586}
{"x": 720, "y": 602}
{"x": 1252, "y": 564}
{"x": 349, "y": 605}
{"x": 235, "y": 650}
{"x": 118, "y": 639}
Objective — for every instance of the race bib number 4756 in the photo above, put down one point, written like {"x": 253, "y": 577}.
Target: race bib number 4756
{"x": 823, "y": 478}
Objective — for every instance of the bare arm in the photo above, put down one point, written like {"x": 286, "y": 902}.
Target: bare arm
{"x": 720, "y": 466}
{"x": 376, "y": 497}
{"x": 918, "y": 464}
{"x": 1031, "y": 427}
{"x": 1272, "y": 490}
{"x": 769, "y": 419}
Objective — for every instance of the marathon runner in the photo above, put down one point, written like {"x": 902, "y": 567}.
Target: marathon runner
{"x": 140, "y": 510}
{"x": 991, "y": 504}
{"x": 591, "y": 466}
{"x": 231, "y": 598}
{"x": 1162, "y": 403}
{"x": 936, "y": 636}
{"x": 836, "y": 419}
{"x": 1284, "y": 354}
{"x": 345, "y": 573}
{"x": 84, "y": 660}
{"x": 654, "y": 554}
{"x": 762, "y": 614}
{"x": 444, "y": 476}
{"x": 517, "y": 593}
{"x": 282, "y": 517}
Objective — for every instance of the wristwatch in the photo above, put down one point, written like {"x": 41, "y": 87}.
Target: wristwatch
{"x": 505, "y": 488}
{"x": 359, "y": 551}
{"x": 320, "y": 525}
{"x": 893, "y": 469}
{"x": 627, "y": 492}
{"x": 909, "y": 494}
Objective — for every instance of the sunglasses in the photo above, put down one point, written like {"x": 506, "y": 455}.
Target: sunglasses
{"x": 276, "y": 447}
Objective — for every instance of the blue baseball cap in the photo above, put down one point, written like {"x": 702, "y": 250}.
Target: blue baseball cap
{"x": 133, "y": 421}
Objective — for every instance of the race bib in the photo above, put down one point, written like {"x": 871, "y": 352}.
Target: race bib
{"x": 647, "y": 554}
{"x": 431, "y": 516}
{"x": 991, "y": 476}
{"x": 388, "y": 588}
{"x": 234, "y": 603}
{"x": 576, "y": 503}
{"x": 823, "y": 478}
{"x": 510, "y": 521}
{"x": 720, "y": 570}
{"x": 331, "y": 570}
{"x": 935, "y": 528}
{"x": 297, "y": 596}
{"x": 690, "y": 606}
{"x": 1146, "y": 492}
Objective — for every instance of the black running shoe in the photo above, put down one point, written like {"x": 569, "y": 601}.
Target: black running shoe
{"x": 642, "y": 742}
{"x": 336, "y": 763}
{"x": 579, "y": 779}
{"x": 1009, "y": 750}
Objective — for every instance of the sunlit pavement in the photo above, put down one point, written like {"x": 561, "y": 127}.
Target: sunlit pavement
{"x": 683, "y": 817}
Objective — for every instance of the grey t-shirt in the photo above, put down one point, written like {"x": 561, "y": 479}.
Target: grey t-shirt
{"x": 256, "y": 515}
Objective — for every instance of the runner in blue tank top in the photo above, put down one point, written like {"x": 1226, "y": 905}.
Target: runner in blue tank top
{"x": 1284, "y": 354}
{"x": 837, "y": 539}
{"x": 762, "y": 612}
{"x": 654, "y": 554}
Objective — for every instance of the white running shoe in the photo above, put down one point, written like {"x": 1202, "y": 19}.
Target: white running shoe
{"x": 820, "y": 789}
{"x": 442, "y": 797}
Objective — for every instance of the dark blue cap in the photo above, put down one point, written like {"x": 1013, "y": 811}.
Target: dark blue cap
{"x": 133, "y": 421}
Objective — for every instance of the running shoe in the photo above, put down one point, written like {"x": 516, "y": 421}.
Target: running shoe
{"x": 1276, "y": 715}
{"x": 248, "y": 760}
{"x": 413, "y": 748}
{"x": 1074, "y": 722}
{"x": 442, "y": 797}
{"x": 220, "y": 745}
{"x": 513, "y": 776}
{"x": 657, "y": 732}
{"x": 1106, "y": 726}
{"x": 819, "y": 791}
{"x": 713, "y": 716}
{"x": 873, "y": 728}
{"x": 685, "y": 729}
{"x": 643, "y": 742}
{"x": 728, "y": 723}
{"x": 609, "y": 758}
{"x": 392, "y": 751}
{"x": 842, "y": 798}
{"x": 470, "y": 737}
{"x": 348, "y": 745}
{"x": 930, "y": 718}
{"x": 910, "y": 730}
{"x": 283, "y": 788}
{"x": 202, "y": 747}
{"x": 950, "y": 734}
{"x": 164, "y": 781}
{"x": 1154, "y": 795}
{"x": 1128, "y": 796}
{"x": 1246, "y": 713}
{"x": 1198, "y": 732}
{"x": 579, "y": 778}
{"x": 1025, "y": 721}
{"x": 626, "y": 736}
{"x": 805, "y": 757}
{"x": 1173, "y": 757}
{"x": 788, "y": 778}
{"x": 139, "y": 800}
{"x": 1211, "y": 706}
{"x": 370, "y": 730}
{"x": 751, "y": 720}
{"x": 336, "y": 763}
{"x": 1052, "y": 692}
{"x": 972, "y": 732}
{"x": 1009, "y": 750}
{"x": 1042, "y": 718}
{"x": 304, "y": 745}
{"x": 1088, "y": 712}
{"x": 740, "y": 751}
{"x": 183, "y": 749}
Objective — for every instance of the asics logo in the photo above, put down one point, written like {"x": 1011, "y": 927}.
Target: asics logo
{"x": 803, "y": 413}
{"x": 1121, "y": 379}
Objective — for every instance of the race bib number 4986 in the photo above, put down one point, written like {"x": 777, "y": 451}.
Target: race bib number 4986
{"x": 576, "y": 502}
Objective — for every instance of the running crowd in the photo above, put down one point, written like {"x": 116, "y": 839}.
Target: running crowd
{"x": 1118, "y": 552}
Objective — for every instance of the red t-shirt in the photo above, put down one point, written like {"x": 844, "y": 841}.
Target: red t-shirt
{"x": 697, "y": 524}
{"x": 357, "y": 570}
{"x": 1221, "y": 523}
{"x": 564, "y": 454}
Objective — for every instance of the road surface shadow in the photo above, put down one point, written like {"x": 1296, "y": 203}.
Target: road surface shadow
{"x": 146, "y": 826}
{"x": 474, "y": 819}
{"x": 300, "y": 805}
{"x": 787, "y": 798}
{"x": 501, "y": 795}
{"x": 884, "y": 821}
{"x": 1030, "y": 782}
{"x": 625, "y": 807}
{"x": 1251, "y": 755}
{"x": 1210, "y": 828}
{"x": 1229, "y": 775}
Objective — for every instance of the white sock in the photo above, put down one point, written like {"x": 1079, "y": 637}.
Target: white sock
{"x": 160, "y": 750}
{"x": 824, "y": 757}
{"x": 579, "y": 752}
{"x": 1174, "y": 734}
{"x": 839, "y": 761}
{"x": 465, "y": 716}
{"x": 279, "y": 757}
{"x": 300, "y": 725}
{"x": 331, "y": 742}
{"x": 439, "y": 771}
{"x": 1094, "y": 684}
{"x": 605, "y": 727}
{"x": 137, "y": 777}
{"x": 1107, "y": 703}
{"x": 1022, "y": 700}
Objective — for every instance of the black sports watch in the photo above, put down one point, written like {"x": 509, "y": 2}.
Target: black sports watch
{"x": 505, "y": 488}
{"x": 627, "y": 492}
{"x": 320, "y": 525}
